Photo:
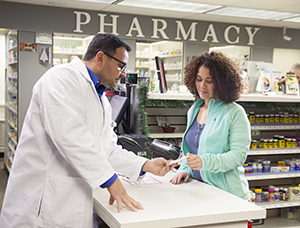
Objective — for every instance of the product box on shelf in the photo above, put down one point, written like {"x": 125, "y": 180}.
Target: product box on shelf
{"x": 294, "y": 193}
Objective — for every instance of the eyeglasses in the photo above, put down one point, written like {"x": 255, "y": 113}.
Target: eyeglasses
{"x": 124, "y": 64}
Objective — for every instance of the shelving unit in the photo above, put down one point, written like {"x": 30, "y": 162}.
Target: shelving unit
{"x": 170, "y": 52}
{"x": 23, "y": 69}
{"x": 65, "y": 48}
{"x": 11, "y": 112}
{"x": 261, "y": 179}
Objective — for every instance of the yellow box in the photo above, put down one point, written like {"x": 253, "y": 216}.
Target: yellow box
{"x": 294, "y": 193}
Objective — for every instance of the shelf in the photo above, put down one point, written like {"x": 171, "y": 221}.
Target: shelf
{"x": 165, "y": 135}
{"x": 264, "y": 176}
{"x": 12, "y": 92}
{"x": 140, "y": 57}
{"x": 143, "y": 67}
{"x": 279, "y": 204}
{"x": 12, "y": 150}
{"x": 12, "y": 48}
{"x": 244, "y": 97}
{"x": 168, "y": 56}
{"x": 66, "y": 53}
{"x": 14, "y": 62}
{"x": 12, "y": 110}
{"x": 11, "y": 125}
{"x": 280, "y": 126}
{"x": 173, "y": 69}
{"x": 274, "y": 151}
{"x": 277, "y": 222}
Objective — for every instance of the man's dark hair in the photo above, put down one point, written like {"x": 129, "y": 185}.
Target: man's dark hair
{"x": 104, "y": 42}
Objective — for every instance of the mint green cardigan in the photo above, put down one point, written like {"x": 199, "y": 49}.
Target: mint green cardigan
{"x": 223, "y": 146}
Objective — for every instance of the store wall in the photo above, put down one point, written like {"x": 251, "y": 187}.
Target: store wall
{"x": 283, "y": 59}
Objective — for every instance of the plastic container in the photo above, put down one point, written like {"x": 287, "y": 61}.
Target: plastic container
{"x": 271, "y": 195}
{"x": 258, "y": 195}
{"x": 277, "y": 194}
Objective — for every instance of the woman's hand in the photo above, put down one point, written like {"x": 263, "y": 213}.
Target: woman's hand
{"x": 180, "y": 176}
{"x": 194, "y": 161}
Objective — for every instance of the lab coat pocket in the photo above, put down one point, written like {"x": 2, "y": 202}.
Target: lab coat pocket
{"x": 63, "y": 204}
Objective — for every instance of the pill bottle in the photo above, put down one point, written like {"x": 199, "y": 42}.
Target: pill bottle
{"x": 253, "y": 197}
{"x": 271, "y": 144}
{"x": 296, "y": 118}
{"x": 258, "y": 195}
{"x": 281, "y": 119}
{"x": 251, "y": 117}
{"x": 288, "y": 143}
{"x": 271, "y": 195}
{"x": 262, "y": 119}
{"x": 281, "y": 193}
{"x": 266, "y": 166}
{"x": 286, "y": 117}
{"x": 254, "y": 167}
{"x": 259, "y": 168}
{"x": 253, "y": 144}
{"x": 272, "y": 118}
{"x": 294, "y": 143}
{"x": 265, "y": 195}
{"x": 276, "y": 194}
{"x": 266, "y": 144}
{"x": 261, "y": 143}
{"x": 286, "y": 194}
{"x": 257, "y": 119}
{"x": 277, "y": 119}
{"x": 275, "y": 143}
{"x": 281, "y": 141}
{"x": 291, "y": 118}
{"x": 267, "y": 118}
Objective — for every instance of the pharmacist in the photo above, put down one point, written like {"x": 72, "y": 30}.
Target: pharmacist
{"x": 67, "y": 146}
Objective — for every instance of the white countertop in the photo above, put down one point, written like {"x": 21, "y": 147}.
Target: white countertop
{"x": 168, "y": 205}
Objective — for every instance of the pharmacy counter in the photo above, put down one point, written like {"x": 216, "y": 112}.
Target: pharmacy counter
{"x": 194, "y": 204}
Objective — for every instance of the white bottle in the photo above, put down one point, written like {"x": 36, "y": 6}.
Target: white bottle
{"x": 155, "y": 84}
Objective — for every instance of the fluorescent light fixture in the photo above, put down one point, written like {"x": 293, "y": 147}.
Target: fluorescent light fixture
{"x": 97, "y": 1}
{"x": 294, "y": 19}
{"x": 173, "y": 5}
{"x": 252, "y": 13}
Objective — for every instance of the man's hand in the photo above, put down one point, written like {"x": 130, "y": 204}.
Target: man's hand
{"x": 158, "y": 166}
{"x": 119, "y": 194}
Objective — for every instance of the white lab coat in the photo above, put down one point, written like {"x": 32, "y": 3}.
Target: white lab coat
{"x": 67, "y": 148}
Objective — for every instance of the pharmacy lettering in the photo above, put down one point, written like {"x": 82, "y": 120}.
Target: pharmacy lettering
{"x": 231, "y": 34}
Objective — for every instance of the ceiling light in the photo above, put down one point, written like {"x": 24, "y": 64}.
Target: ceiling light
{"x": 252, "y": 13}
{"x": 294, "y": 19}
{"x": 171, "y": 5}
{"x": 97, "y": 1}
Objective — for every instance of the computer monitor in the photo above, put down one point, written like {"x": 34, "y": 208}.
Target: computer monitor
{"x": 161, "y": 74}
{"x": 119, "y": 106}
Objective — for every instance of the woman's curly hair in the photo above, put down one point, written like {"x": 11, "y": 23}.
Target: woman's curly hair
{"x": 225, "y": 71}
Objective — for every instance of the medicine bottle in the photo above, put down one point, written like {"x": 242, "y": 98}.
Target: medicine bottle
{"x": 271, "y": 195}
{"x": 281, "y": 118}
{"x": 262, "y": 119}
{"x": 267, "y": 118}
{"x": 272, "y": 118}
{"x": 253, "y": 144}
{"x": 291, "y": 118}
{"x": 286, "y": 194}
{"x": 281, "y": 141}
{"x": 266, "y": 144}
{"x": 251, "y": 117}
{"x": 261, "y": 143}
{"x": 281, "y": 193}
{"x": 254, "y": 167}
{"x": 294, "y": 143}
{"x": 259, "y": 168}
{"x": 275, "y": 143}
{"x": 296, "y": 118}
{"x": 265, "y": 195}
{"x": 276, "y": 194}
{"x": 257, "y": 119}
{"x": 286, "y": 117}
{"x": 271, "y": 144}
{"x": 277, "y": 120}
{"x": 258, "y": 193}
{"x": 288, "y": 143}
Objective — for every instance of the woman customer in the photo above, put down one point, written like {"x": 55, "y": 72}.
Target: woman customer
{"x": 217, "y": 137}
